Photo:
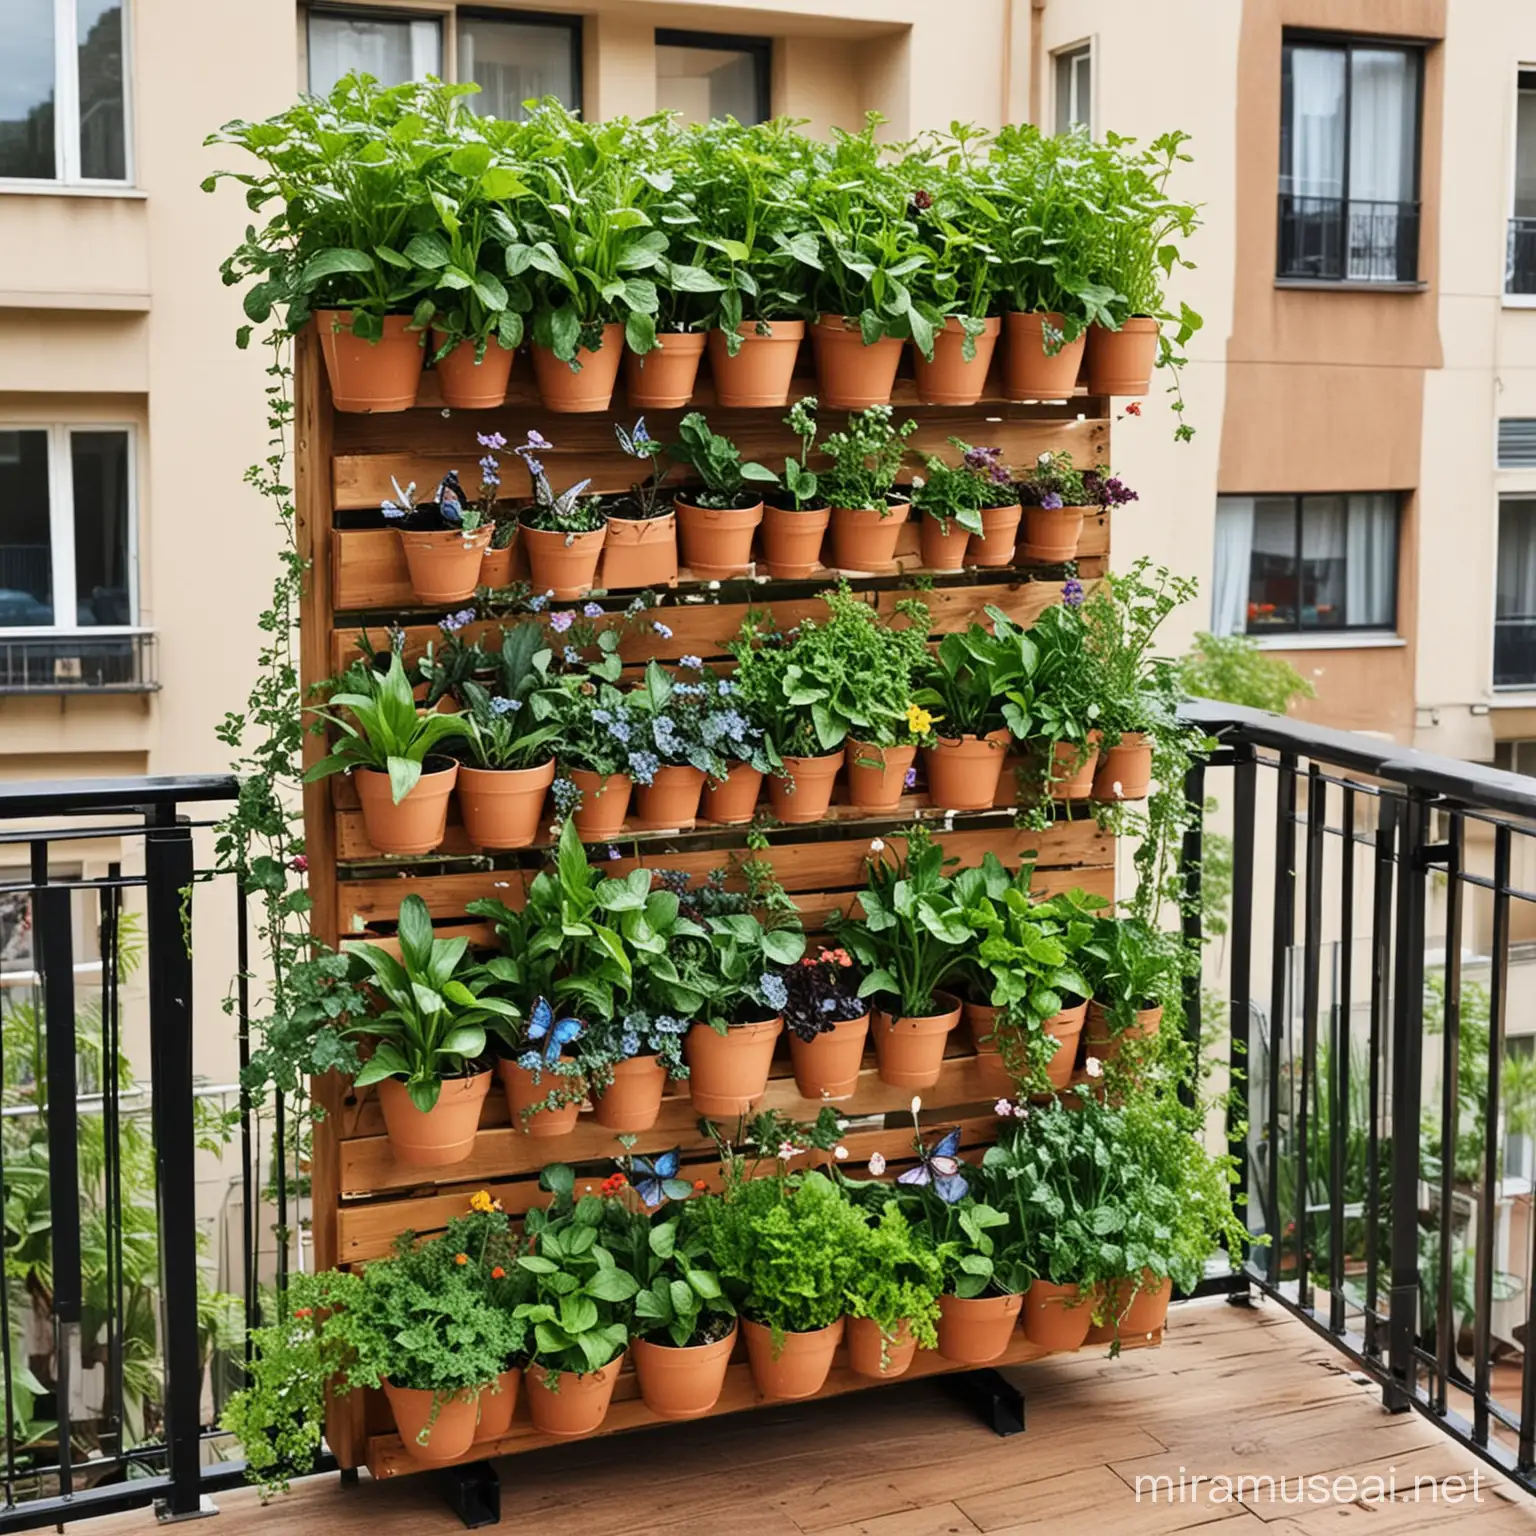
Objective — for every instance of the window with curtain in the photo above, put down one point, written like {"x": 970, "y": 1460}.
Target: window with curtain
{"x": 1349, "y": 161}
{"x": 1520, "y": 263}
{"x": 1514, "y": 604}
{"x": 700, "y": 75}
{"x": 392, "y": 46}
{"x": 1074, "y": 89}
{"x": 1305, "y": 564}
{"x": 513, "y": 61}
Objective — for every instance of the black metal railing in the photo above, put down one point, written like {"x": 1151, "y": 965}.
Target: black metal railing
{"x": 1336, "y": 240}
{"x": 78, "y": 663}
{"x": 1520, "y": 257}
{"x": 1514, "y": 652}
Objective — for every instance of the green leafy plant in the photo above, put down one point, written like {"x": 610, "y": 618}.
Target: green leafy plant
{"x": 978, "y": 681}
{"x": 801, "y": 485}
{"x": 958, "y": 493}
{"x": 866, "y": 458}
{"x": 898, "y": 1279}
{"x": 717, "y": 462}
{"x": 1235, "y": 670}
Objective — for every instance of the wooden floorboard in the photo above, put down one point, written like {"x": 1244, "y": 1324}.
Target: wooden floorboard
{"x": 1230, "y": 1392}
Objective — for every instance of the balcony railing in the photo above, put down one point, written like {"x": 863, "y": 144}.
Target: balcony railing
{"x": 1331, "y": 239}
{"x": 118, "y": 662}
{"x": 1514, "y": 652}
{"x": 1520, "y": 257}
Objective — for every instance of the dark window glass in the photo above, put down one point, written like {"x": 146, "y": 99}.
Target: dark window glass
{"x": 1074, "y": 89}
{"x": 1514, "y": 612}
{"x": 517, "y": 61}
{"x": 99, "y": 463}
{"x": 103, "y": 146}
{"x": 27, "y": 72}
{"x": 26, "y": 558}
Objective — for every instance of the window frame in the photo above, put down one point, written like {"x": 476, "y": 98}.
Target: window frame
{"x": 61, "y": 529}
{"x": 1509, "y": 298}
{"x": 1059, "y": 56}
{"x": 759, "y": 48}
{"x": 442, "y": 15}
{"x": 571, "y": 24}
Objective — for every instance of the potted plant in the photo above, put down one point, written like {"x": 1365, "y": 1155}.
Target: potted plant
{"x": 1067, "y": 706}
{"x": 662, "y": 377}
{"x": 1134, "y": 971}
{"x": 795, "y": 517}
{"x": 389, "y": 748}
{"x": 866, "y": 516}
{"x": 1055, "y": 499}
{"x": 496, "y": 563}
{"x": 735, "y": 730}
{"x": 948, "y": 502}
{"x": 564, "y": 534}
{"x": 717, "y": 520}
{"x": 892, "y": 1299}
{"x": 444, "y": 540}
{"x": 641, "y": 547}
{"x": 675, "y": 722}
{"x": 828, "y": 1023}
{"x": 600, "y": 756}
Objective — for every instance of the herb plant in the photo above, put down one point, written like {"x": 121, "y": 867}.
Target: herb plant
{"x": 866, "y": 458}
{"x": 717, "y": 462}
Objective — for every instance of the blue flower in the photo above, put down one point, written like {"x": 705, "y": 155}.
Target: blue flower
{"x": 661, "y": 629}
{"x": 725, "y": 688}
{"x": 910, "y": 782}
{"x": 572, "y": 656}
{"x": 643, "y": 766}
{"x": 1050, "y": 502}
{"x": 455, "y": 621}
{"x": 1072, "y": 592}
{"x": 506, "y": 706}
{"x": 620, "y": 731}
{"x": 560, "y": 622}
{"x": 602, "y": 716}
{"x": 538, "y": 604}
{"x": 567, "y": 796}
{"x": 593, "y": 610}
{"x": 665, "y": 1024}
{"x": 538, "y": 440}
{"x": 690, "y": 663}
{"x": 775, "y": 993}
{"x": 613, "y": 853}
{"x": 629, "y": 1043}
{"x": 535, "y": 468}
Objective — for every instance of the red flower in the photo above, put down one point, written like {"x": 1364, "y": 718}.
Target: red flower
{"x": 498, "y": 1273}
{"x": 302, "y": 1312}
{"x": 700, "y": 1186}
{"x": 1134, "y": 408}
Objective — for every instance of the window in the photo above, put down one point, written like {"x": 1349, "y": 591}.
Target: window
{"x": 1517, "y": 442}
{"x": 1349, "y": 162}
{"x": 1514, "y": 607}
{"x": 1074, "y": 89}
{"x": 392, "y": 46}
{"x": 517, "y": 61}
{"x": 63, "y": 91}
{"x": 1305, "y": 564}
{"x": 700, "y": 75}
{"x": 1520, "y": 257}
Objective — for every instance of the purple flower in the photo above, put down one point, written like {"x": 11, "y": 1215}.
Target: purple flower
{"x": 535, "y": 468}
{"x": 1072, "y": 592}
{"x": 538, "y": 440}
{"x": 490, "y": 439}
{"x": 538, "y": 604}
{"x": 593, "y": 610}
{"x": 1051, "y": 501}
{"x": 560, "y": 622}
{"x": 911, "y": 779}
{"x": 394, "y": 513}
{"x": 455, "y": 621}
{"x": 613, "y": 853}
{"x": 661, "y": 629}
{"x": 690, "y": 663}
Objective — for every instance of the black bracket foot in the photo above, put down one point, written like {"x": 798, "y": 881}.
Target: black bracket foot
{"x": 1000, "y": 1401}
{"x": 349, "y": 1477}
{"x": 474, "y": 1493}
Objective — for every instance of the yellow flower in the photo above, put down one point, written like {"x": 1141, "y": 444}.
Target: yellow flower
{"x": 919, "y": 721}
{"x": 481, "y": 1201}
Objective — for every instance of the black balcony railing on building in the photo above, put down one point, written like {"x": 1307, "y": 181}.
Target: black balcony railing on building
{"x": 1514, "y": 652}
{"x": 1333, "y": 239}
{"x": 78, "y": 663}
{"x": 1520, "y": 257}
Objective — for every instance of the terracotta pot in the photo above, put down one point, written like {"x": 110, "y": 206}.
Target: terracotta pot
{"x": 1066, "y": 1029}
{"x": 806, "y": 795}
{"x": 604, "y": 803}
{"x": 1148, "y": 1310}
{"x": 445, "y": 564}
{"x": 974, "y": 1330}
{"x": 496, "y": 567}
{"x": 443, "y": 1134}
{"x": 467, "y": 385}
{"x": 419, "y": 823}
{"x": 563, "y": 563}
{"x": 1072, "y": 768}
{"x": 963, "y": 772}
{"x": 728, "y": 1073}
{"x": 717, "y": 542}
{"x": 803, "y": 1363}
{"x": 366, "y": 375}
{"x": 877, "y": 776}
{"x": 942, "y": 551}
{"x": 632, "y": 1101}
{"x": 827, "y": 1068}
{"x": 1125, "y": 771}
{"x": 669, "y": 801}
{"x": 662, "y": 380}
{"x": 640, "y": 552}
{"x": 1121, "y": 362}
{"x": 911, "y": 1051}
{"x": 864, "y": 538}
{"x": 1051, "y": 534}
{"x": 870, "y": 1353}
{"x": 577, "y": 1405}
{"x": 1033, "y": 374}
{"x": 1057, "y": 1316}
{"x": 682, "y": 1383}
{"x": 523, "y": 1093}
{"x": 451, "y": 1416}
{"x": 993, "y": 1079}
{"x": 761, "y": 372}
{"x": 792, "y": 541}
{"x": 999, "y": 533}
{"x": 497, "y": 1408}
{"x": 949, "y": 379}
{"x": 589, "y": 389}
{"x": 1102, "y": 1041}
{"x": 502, "y": 807}
{"x": 733, "y": 802}
{"x": 849, "y": 375}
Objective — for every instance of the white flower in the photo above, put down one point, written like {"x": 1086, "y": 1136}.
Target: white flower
{"x": 1118, "y": 789}
{"x": 876, "y": 1164}
{"x": 877, "y": 845}
{"x": 714, "y": 586}
{"x": 1021, "y": 1111}
{"x": 839, "y": 1151}
{"x": 1094, "y": 1067}
{"x": 1044, "y": 458}
{"x": 917, "y": 1104}
{"x": 1002, "y": 1107}
{"x": 787, "y": 1150}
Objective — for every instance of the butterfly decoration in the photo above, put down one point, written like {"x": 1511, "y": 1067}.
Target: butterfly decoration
{"x": 939, "y": 1169}
{"x": 450, "y": 499}
{"x": 403, "y": 504}
{"x": 556, "y": 1034}
{"x": 655, "y": 1178}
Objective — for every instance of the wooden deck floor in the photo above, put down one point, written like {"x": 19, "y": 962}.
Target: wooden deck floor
{"x": 1230, "y": 1392}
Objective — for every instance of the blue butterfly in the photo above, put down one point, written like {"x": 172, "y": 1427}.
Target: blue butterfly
{"x": 939, "y": 1168}
{"x": 555, "y": 1035}
{"x": 648, "y": 1176}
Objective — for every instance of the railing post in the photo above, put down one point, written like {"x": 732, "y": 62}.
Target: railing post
{"x": 1191, "y": 875}
{"x": 1245, "y": 775}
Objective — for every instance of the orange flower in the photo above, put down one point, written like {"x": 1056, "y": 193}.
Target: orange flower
{"x": 700, "y": 1185}
{"x": 302, "y": 1312}
{"x": 498, "y": 1273}
{"x": 461, "y": 1258}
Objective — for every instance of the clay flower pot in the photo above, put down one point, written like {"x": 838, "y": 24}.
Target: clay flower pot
{"x": 1051, "y": 534}
{"x": 849, "y": 375}
{"x": 577, "y": 1405}
{"x": 1121, "y": 362}
{"x": 467, "y": 385}
{"x": 877, "y": 776}
{"x": 451, "y": 1417}
{"x": 1102, "y": 1041}
{"x": 942, "y": 551}
{"x": 368, "y": 375}
{"x": 1125, "y": 770}
{"x": 806, "y": 795}
{"x": 910, "y": 1051}
{"x": 974, "y": 1330}
{"x": 993, "y": 1079}
{"x": 792, "y": 541}
{"x": 1057, "y": 1316}
{"x": 717, "y": 541}
{"x": 761, "y": 372}
{"x": 632, "y": 1101}
{"x": 497, "y": 1408}
{"x": 564, "y": 563}
{"x": 728, "y": 1073}
{"x": 441, "y": 1135}
{"x": 640, "y": 552}
{"x": 523, "y": 1093}
{"x": 588, "y": 389}
{"x": 1072, "y": 768}
{"x": 999, "y": 533}
{"x": 964, "y": 771}
{"x": 419, "y": 822}
{"x": 827, "y": 1068}
{"x": 732, "y": 802}
{"x": 949, "y": 379}
{"x": 604, "y": 803}
{"x": 1066, "y": 1029}
{"x": 802, "y": 1364}
{"x": 864, "y": 538}
{"x": 1033, "y": 374}
{"x": 662, "y": 379}
{"x": 682, "y": 1383}
{"x": 502, "y": 807}
{"x": 871, "y": 1353}
{"x": 669, "y": 801}
{"x": 496, "y": 566}
{"x": 445, "y": 563}
{"x": 1148, "y": 1310}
